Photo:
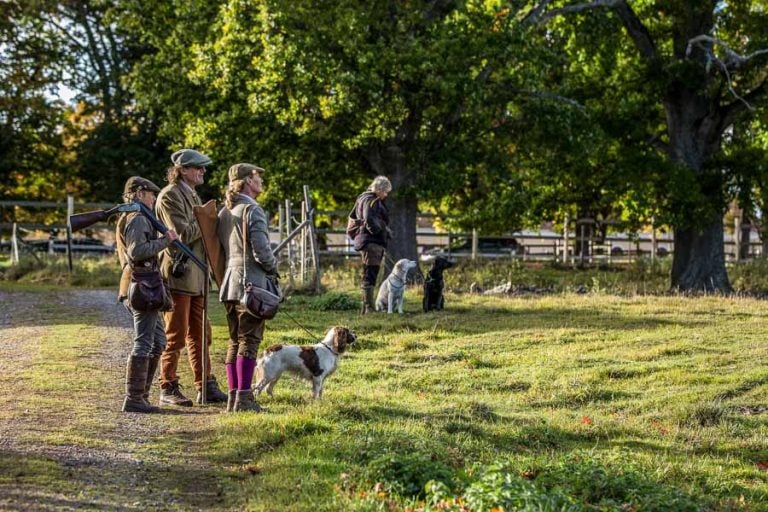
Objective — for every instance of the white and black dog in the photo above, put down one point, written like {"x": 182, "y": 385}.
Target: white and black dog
{"x": 314, "y": 363}
{"x": 392, "y": 291}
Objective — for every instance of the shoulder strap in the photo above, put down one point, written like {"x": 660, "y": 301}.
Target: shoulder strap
{"x": 245, "y": 242}
{"x": 122, "y": 223}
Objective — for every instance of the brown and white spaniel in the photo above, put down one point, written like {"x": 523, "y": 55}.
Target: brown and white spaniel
{"x": 314, "y": 363}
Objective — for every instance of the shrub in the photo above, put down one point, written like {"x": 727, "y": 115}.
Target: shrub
{"x": 334, "y": 301}
{"x": 576, "y": 482}
{"x": 408, "y": 474}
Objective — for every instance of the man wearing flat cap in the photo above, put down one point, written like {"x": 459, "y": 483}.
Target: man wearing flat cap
{"x": 184, "y": 325}
{"x": 249, "y": 260}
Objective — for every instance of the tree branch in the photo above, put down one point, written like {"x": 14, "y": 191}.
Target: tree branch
{"x": 733, "y": 61}
{"x": 632, "y": 24}
{"x": 568, "y": 9}
{"x": 657, "y": 143}
{"x": 555, "y": 97}
{"x": 733, "y": 109}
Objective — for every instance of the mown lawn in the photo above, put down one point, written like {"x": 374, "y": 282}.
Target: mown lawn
{"x": 539, "y": 402}
{"x": 642, "y": 403}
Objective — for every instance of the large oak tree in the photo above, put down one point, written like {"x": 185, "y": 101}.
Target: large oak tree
{"x": 707, "y": 63}
{"x": 334, "y": 93}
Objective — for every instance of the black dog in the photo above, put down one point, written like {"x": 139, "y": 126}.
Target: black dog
{"x": 433, "y": 284}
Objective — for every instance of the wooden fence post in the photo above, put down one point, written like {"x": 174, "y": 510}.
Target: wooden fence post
{"x": 288, "y": 220}
{"x": 14, "y": 244}
{"x": 303, "y": 246}
{"x": 312, "y": 238}
{"x": 70, "y": 211}
{"x": 566, "y": 246}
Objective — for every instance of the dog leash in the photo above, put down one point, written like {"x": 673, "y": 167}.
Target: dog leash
{"x": 314, "y": 338}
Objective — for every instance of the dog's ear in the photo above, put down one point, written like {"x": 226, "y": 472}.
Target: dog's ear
{"x": 340, "y": 336}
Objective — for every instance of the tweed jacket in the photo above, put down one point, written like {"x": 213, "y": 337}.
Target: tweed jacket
{"x": 174, "y": 209}
{"x": 259, "y": 263}
{"x": 137, "y": 247}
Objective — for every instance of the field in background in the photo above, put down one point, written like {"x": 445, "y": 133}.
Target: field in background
{"x": 339, "y": 273}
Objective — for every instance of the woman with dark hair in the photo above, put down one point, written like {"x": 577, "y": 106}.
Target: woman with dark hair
{"x": 137, "y": 248}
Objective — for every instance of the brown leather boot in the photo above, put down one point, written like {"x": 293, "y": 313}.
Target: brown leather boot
{"x": 231, "y": 397}
{"x": 151, "y": 371}
{"x": 171, "y": 394}
{"x": 244, "y": 401}
{"x": 135, "y": 382}
{"x": 212, "y": 392}
{"x": 368, "y": 304}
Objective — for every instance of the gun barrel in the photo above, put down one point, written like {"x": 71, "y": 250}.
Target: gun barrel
{"x": 83, "y": 220}
{"x": 177, "y": 243}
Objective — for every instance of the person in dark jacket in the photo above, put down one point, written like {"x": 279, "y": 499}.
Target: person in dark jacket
{"x": 373, "y": 234}
{"x": 138, "y": 245}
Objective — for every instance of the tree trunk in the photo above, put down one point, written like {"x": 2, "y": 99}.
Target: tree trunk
{"x": 402, "y": 202}
{"x": 695, "y": 131}
{"x": 745, "y": 238}
{"x": 699, "y": 259}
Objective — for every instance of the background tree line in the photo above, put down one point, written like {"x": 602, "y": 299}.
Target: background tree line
{"x": 503, "y": 113}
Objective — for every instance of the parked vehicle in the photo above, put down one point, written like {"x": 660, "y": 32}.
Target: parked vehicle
{"x": 80, "y": 245}
{"x": 487, "y": 247}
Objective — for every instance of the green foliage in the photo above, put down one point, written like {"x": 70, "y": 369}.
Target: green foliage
{"x": 31, "y": 154}
{"x": 580, "y": 481}
{"x": 407, "y": 474}
{"x": 335, "y": 301}
{"x": 331, "y": 95}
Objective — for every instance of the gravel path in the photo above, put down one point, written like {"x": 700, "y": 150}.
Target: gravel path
{"x": 115, "y": 471}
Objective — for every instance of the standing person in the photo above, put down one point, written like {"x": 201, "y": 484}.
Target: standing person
{"x": 184, "y": 324}
{"x": 373, "y": 235}
{"x": 137, "y": 249}
{"x": 245, "y": 330}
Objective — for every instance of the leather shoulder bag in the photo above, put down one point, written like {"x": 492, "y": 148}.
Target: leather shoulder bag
{"x": 147, "y": 291}
{"x": 259, "y": 302}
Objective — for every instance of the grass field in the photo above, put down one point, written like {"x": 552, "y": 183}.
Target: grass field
{"x": 560, "y": 401}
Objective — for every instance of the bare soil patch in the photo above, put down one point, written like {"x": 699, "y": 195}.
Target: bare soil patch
{"x": 65, "y": 448}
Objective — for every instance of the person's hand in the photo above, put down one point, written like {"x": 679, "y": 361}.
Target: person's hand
{"x": 171, "y": 235}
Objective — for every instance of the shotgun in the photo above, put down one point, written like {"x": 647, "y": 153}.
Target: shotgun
{"x": 176, "y": 243}
{"x": 83, "y": 220}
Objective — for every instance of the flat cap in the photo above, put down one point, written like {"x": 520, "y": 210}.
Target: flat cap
{"x": 242, "y": 171}
{"x": 136, "y": 183}
{"x": 190, "y": 158}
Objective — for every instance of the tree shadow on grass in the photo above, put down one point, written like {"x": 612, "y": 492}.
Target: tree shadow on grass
{"x": 33, "y": 482}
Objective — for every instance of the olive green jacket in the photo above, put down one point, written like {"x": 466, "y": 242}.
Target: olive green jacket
{"x": 259, "y": 262}
{"x": 137, "y": 246}
{"x": 174, "y": 209}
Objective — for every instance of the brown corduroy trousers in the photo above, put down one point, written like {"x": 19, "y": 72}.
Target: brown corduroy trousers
{"x": 184, "y": 327}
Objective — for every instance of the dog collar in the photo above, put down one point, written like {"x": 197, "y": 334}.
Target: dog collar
{"x": 329, "y": 348}
{"x": 400, "y": 281}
